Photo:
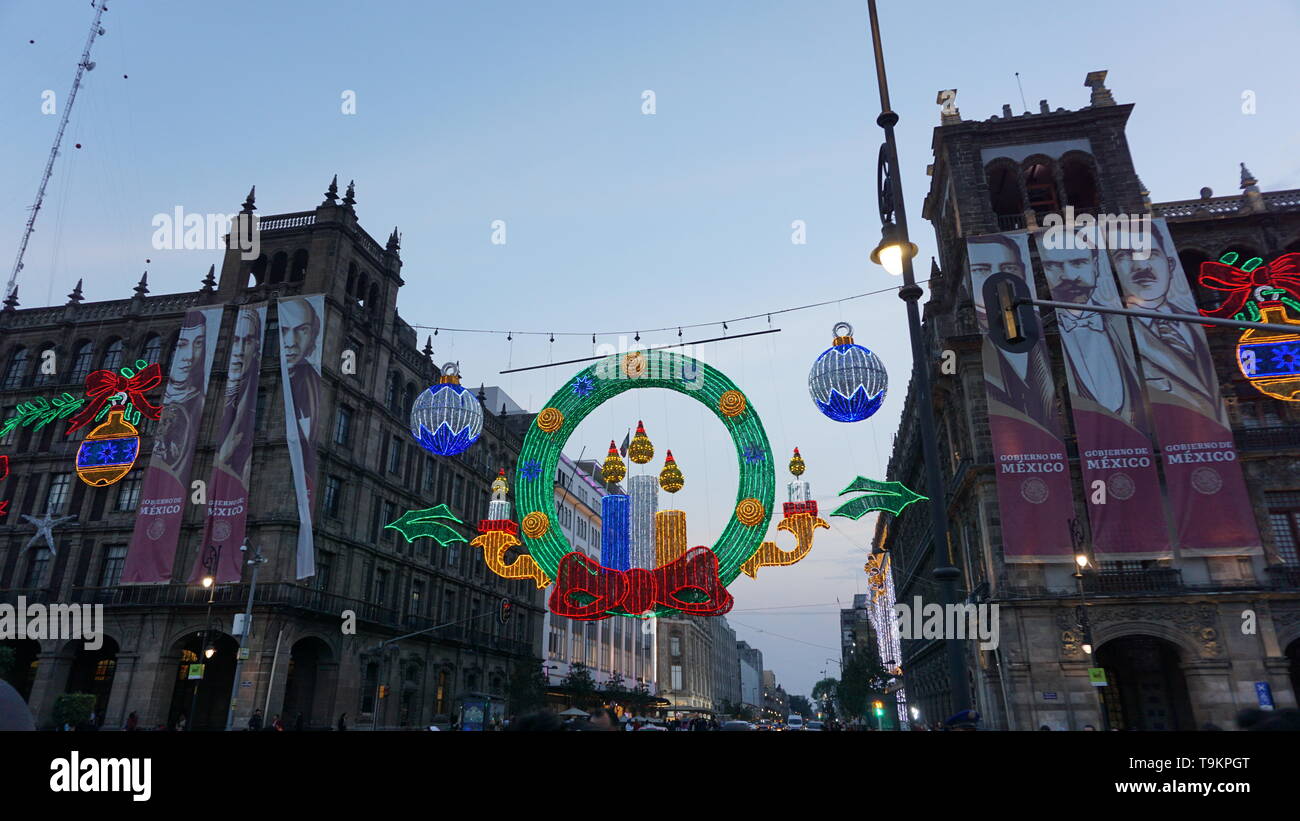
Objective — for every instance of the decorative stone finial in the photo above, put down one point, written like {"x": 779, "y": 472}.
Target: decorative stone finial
{"x": 394, "y": 241}
{"x": 142, "y": 287}
{"x": 75, "y": 297}
{"x": 251, "y": 202}
{"x": 1248, "y": 181}
{"x": 1096, "y": 80}
{"x": 332, "y": 193}
{"x": 11, "y": 301}
{"x": 428, "y": 347}
{"x": 349, "y": 198}
{"x": 210, "y": 281}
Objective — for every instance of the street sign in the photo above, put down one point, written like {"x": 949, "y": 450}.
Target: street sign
{"x": 1047, "y": 696}
{"x": 243, "y": 654}
{"x": 237, "y": 629}
{"x": 245, "y": 684}
{"x": 1096, "y": 677}
{"x": 1265, "y": 695}
{"x": 195, "y": 672}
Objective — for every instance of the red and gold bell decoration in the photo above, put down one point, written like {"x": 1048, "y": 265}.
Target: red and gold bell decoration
{"x": 109, "y": 451}
{"x": 1270, "y": 360}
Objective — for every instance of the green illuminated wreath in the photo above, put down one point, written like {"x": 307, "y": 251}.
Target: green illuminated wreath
{"x": 588, "y": 390}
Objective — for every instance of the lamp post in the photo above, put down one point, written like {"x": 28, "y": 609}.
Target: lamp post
{"x": 1081, "y": 612}
{"x": 895, "y": 253}
{"x": 255, "y": 562}
{"x": 211, "y": 561}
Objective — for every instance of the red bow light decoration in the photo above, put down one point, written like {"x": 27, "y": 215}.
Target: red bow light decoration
{"x": 1282, "y": 273}
{"x": 104, "y": 385}
{"x": 638, "y": 590}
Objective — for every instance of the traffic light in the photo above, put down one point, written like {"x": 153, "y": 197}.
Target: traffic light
{"x": 383, "y": 691}
{"x": 879, "y": 707}
{"x": 1013, "y": 322}
{"x": 503, "y": 612}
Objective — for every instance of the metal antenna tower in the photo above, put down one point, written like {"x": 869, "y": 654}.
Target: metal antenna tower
{"x": 82, "y": 67}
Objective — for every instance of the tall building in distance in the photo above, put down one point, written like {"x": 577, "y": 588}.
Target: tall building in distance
{"x": 1163, "y": 602}
{"x": 750, "y": 668}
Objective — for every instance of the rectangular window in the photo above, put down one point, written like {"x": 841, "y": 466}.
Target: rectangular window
{"x": 128, "y": 491}
{"x": 333, "y": 495}
{"x": 40, "y": 561}
{"x": 448, "y": 606}
{"x": 394, "y": 455}
{"x": 263, "y": 398}
{"x": 1284, "y": 518}
{"x": 675, "y": 646}
{"x": 343, "y": 426}
{"x": 381, "y": 586}
{"x": 458, "y": 496}
{"x": 56, "y": 497}
{"x": 428, "y": 473}
{"x": 324, "y": 570}
{"x": 114, "y": 559}
{"x": 417, "y": 595}
{"x": 8, "y": 438}
{"x": 390, "y": 515}
{"x": 677, "y": 677}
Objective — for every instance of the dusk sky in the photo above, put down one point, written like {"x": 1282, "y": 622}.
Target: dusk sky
{"x": 616, "y": 221}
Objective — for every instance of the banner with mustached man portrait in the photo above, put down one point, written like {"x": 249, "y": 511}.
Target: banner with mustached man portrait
{"x": 1033, "y": 477}
{"x": 302, "y": 334}
{"x": 1209, "y": 505}
{"x": 1120, "y": 483}
{"x": 227, "y": 516}
{"x": 166, "y": 488}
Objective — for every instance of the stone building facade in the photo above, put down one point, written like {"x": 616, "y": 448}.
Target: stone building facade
{"x": 368, "y": 472}
{"x": 1169, "y": 632}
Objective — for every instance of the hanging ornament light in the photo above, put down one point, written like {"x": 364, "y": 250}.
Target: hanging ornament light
{"x": 614, "y": 468}
{"x": 847, "y": 382}
{"x": 641, "y": 450}
{"x": 446, "y": 418}
{"x": 670, "y": 478}
{"x": 1261, "y": 292}
{"x": 109, "y": 450}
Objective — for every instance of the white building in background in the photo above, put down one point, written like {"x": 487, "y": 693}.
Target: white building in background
{"x": 615, "y": 645}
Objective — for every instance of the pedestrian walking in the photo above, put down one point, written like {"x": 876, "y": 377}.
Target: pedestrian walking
{"x": 277, "y": 725}
{"x": 255, "y": 720}
{"x": 299, "y": 725}
{"x": 180, "y": 724}
{"x": 132, "y": 722}
{"x": 343, "y": 722}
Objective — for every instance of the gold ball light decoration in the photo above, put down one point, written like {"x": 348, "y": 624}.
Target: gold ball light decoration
{"x": 641, "y": 450}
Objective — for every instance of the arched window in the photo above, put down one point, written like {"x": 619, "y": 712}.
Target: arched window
{"x": 278, "y": 263}
{"x": 152, "y": 349}
{"x": 257, "y": 271}
{"x": 390, "y": 397}
{"x": 298, "y": 268}
{"x": 46, "y": 351}
{"x": 81, "y": 361}
{"x": 362, "y": 284}
{"x": 112, "y": 356}
{"x": 372, "y": 298}
{"x": 16, "y": 373}
{"x": 1080, "y": 182}
{"x": 352, "y": 277}
{"x": 1191, "y": 259}
{"x": 1040, "y": 186}
{"x": 1004, "y": 193}
{"x": 409, "y": 400}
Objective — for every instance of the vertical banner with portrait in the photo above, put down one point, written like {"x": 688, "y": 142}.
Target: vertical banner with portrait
{"x": 227, "y": 515}
{"x": 1211, "y": 510}
{"x": 166, "y": 487}
{"x": 302, "y": 335}
{"x": 1033, "y": 476}
{"x": 1126, "y": 509}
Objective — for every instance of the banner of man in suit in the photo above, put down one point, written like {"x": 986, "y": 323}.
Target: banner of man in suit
{"x": 166, "y": 488}
{"x": 1211, "y": 509}
{"x": 302, "y": 335}
{"x": 1106, "y": 397}
{"x": 227, "y": 516}
{"x": 1033, "y": 476}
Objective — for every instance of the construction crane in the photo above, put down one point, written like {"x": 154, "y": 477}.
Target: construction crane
{"x": 82, "y": 67}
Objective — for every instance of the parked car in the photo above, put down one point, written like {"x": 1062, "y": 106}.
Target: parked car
{"x": 815, "y": 726}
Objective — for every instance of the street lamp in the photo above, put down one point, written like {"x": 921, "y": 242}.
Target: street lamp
{"x": 256, "y": 561}
{"x": 895, "y": 253}
{"x": 211, "y": 561}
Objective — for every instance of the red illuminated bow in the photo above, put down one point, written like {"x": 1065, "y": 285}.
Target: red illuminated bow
{"x": 638, "y": 590}
{"x": 1283, "y": 273}
{"x": 102, "y": 385}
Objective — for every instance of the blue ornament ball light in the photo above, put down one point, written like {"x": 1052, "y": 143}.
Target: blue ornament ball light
{"x": 847, "y": 381}
{"x": 446, "y": 419}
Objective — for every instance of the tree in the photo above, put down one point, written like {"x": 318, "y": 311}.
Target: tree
{"x": 614, "y": 689}
{"x": 802, "y": 706}
{"x": 827, "y": 691}
{"x": 640, "y": 699}
{"x": 73, "y": 709}
{"x": 864, "y": 679}
{"x": 527, "y": 688}
{"x": 6, "y": 662}
{"x": 580, "y": 686}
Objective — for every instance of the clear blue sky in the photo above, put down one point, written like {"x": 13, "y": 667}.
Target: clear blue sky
{"x": 531, "y": 113}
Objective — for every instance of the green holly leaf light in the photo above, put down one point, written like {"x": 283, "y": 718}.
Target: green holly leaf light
{"x": 890, "y": 496}
{"x": 431, "y": 523}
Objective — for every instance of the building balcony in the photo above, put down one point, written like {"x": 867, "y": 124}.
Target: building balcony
{"x": 1271, "y": 439}
{"x": 1284, "y": 576}
{"x": 1154, "y": 580}
{"x": 1011, "y": 222}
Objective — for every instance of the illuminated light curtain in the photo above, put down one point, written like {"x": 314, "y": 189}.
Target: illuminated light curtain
{"x": 615, "y": 544}
{"x": 670, "y": 536}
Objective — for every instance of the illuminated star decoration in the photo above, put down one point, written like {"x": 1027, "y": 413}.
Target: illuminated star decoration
{"x": 44, "y": 527}
{"x": 890, "y": 496}
{"x": 1287, "y": 358}
{"x": 429, "y": 523}
{"x": 584, "y": 385}
{"x": 531, "y": 469}
{"x": 753, "y": 454}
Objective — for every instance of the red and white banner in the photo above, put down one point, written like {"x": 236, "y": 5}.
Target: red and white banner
{"x": 227, "y": 516}
{"x": 1209, "y": 505}
{"x": 1121, "y": 485}
{"x": 1033, "y": 473}
{"x": 302, "y": 333}
{"x": 166, "y": 487}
